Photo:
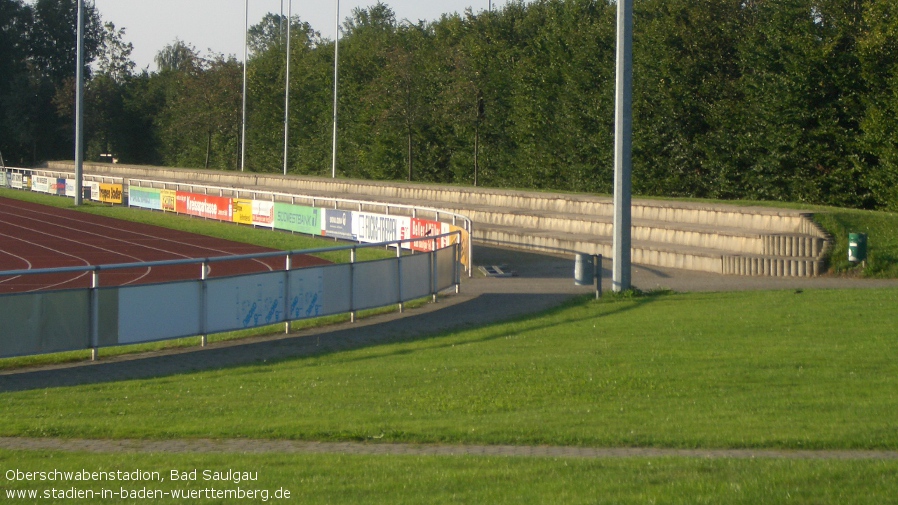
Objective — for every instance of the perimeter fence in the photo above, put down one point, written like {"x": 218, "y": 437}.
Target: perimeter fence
{"x": 95, "y": 317}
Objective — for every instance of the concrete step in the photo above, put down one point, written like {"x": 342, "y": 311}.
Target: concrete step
{"x": 772, "y": 266}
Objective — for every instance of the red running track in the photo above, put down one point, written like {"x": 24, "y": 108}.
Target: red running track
{"x": 35, "y": 236}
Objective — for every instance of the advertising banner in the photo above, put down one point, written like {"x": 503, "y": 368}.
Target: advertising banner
{"x": 110, "y": 193}
{"x": 59, "y": 187}
{"x": 379, "y": 228}
{"x": 168, "y": 198}
{"x": 3, "y": 179}
{"x": 463, "y": 249}
{"x": 212, "y": 207}
{"x": 263, "y": 213}
{"x": 426, "y": 228}
{"x": 94, "y": 190}
{"x": 243, "y": 211}
{"x": 70, "y": 188}
{"x": 297, "y": 218}
{"x": 338, "y": 224}
{"x": 15, "y": 180}
{"x": 41, "y": 184}
{"x": 145, "y": 198}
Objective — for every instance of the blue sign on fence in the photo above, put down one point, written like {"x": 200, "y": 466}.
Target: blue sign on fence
{"x": 338, "y": 224}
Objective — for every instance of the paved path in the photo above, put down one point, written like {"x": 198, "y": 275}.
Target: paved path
{"x": 542, "y": 282}
{"x": 247, "y": 446}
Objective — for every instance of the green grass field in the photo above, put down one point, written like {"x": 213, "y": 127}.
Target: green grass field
{"x": 809, "y": 370}
{"x": 812, "y": 369}
{"x": 343, "y": 479}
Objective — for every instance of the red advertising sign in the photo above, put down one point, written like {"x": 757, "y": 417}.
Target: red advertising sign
{"x": 426, "y": 228}
{"x": 212, "y": 207}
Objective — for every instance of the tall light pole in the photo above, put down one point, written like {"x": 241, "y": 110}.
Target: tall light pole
{"x": 79, "y": 106}
{"x": 336, "y": 75}
{"x": 623, "y": 130}
{"x": 287, "y": 87}
{"x": 243, "y": 129}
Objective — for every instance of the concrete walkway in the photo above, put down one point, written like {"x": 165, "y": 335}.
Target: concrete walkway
{"x": 542, "y": 282}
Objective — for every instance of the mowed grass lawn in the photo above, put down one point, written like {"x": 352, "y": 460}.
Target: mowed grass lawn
{"x": 815, "y": 369}
{"x": 810, "y": 370}
{"x": 356, "y": 479}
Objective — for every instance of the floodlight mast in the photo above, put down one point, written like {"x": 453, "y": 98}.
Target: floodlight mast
{"x": 287, "y": 87}
{"x": 79, "y": 105}
{"x": 623, "y": 131}
{"x": 243, "y": 121}
{"x": 336, "y": 75}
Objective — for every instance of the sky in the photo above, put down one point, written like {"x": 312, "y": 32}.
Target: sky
{"x": 218, "y": 25}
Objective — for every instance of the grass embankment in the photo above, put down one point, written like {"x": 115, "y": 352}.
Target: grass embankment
{"x": 810, "y": 370}
{"x": 816, "y": 369}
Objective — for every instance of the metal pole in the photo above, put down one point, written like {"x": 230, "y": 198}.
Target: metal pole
{"x": 79, "y": 107}
{"x": 94, "y": 313}
{"x": 623, "y": 121}
{"x": 243, "y": 132}
{"x": 336, "y": 74}
{"x": 287, "y": 87}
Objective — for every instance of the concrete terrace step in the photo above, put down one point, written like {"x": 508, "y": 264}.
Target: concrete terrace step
{"x": 720, "y": 238}
{"x": 655, "y": 253}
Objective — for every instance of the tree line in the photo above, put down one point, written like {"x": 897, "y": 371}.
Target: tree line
{"x": 793, "y": 100}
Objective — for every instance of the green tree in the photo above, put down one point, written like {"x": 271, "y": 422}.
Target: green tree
{"x": 878, "y": 51}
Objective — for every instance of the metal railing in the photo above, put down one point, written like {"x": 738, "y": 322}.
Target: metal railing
{"x": 100, "y": 316}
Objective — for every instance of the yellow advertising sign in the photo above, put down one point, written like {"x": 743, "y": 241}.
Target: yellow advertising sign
{"x": 463, "y": 257}
{"x": 110, "y": 193}
{"x": 243, "y": 211}
{"x": 169, "y": 198}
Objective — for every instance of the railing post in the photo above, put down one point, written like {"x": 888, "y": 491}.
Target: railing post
{"x": 399, "y": 276}
{"x": 433, "y": 271}
{"x": 456, "y": 247}
{"x": 203, "y": 303}
{"x": 351, "y": 282}
{"x": 95, "y": 314}
{"x": 288, "y": 266}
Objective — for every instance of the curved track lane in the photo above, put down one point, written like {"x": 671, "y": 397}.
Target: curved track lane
{"x": 34, "y": 236}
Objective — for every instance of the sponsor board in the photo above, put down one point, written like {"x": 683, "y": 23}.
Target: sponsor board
{"x": 338, "y": 224}
{"x": 263, "y": 213}
{"x": 59, "y": 187}
{"x": 94, "y": 190}
{"x": 213, "y": 207}
{"x": 145, "y": 198}
{"x": 379, "y": 228}
{"x": 109, "y": 193}
{"x": 70, "y": 189}
{"x": 297, "y": 218}
{"x": 41, "y": 184}
{"x": 3, "y": 179}
{"x": 243, "y": 211}
{"x": 169, "y": 200}
{"x": 426, "y": 228}
{"x": 16, "y": 181}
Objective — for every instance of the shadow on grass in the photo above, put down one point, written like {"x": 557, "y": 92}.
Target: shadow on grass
{"x": 483, "y": 311}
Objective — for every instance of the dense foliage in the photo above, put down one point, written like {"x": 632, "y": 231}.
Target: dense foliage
{"x": 788, "y": 100}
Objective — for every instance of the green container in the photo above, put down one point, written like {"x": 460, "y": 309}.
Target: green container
{"x": 857, "y": 247}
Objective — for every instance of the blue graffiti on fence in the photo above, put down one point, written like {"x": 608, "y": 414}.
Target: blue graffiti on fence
{"x": 250, "y": 316}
